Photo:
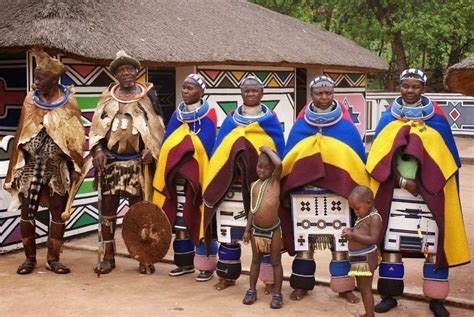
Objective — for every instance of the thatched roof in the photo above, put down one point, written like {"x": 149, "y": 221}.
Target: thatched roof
{"x": 177, "y": 32}
{"x": 460, "y": 77}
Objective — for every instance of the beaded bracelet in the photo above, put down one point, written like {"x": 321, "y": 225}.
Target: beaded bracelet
{"x": 402, "y": 182}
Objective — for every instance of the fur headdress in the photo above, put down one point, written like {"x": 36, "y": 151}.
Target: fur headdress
{"x": 122, "y": 58}
{"x": 47, "y": 63}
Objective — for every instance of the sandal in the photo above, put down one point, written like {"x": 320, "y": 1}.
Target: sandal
{"x": 27, "y": 266}
{"x": 250, "y": 296}
{"x": 146, "y": 268}
{"x": 277, "y": 301}
{"x": 57, "y": 267}
{"x": 105, "y": 266}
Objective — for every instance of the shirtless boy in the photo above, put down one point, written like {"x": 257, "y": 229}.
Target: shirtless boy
{"x": 263, "y": 225}
{"x": 363, "y": 254}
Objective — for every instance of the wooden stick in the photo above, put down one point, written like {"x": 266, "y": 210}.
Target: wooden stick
{"x": 74, "y": 188}
{"x": 146, "y": 176}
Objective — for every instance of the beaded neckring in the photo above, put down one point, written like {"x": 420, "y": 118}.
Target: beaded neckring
{"x": 261, "y": 191}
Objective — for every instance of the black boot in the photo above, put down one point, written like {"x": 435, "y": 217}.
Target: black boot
{"x": 438, "y": 309}
{"x": 385, "y": 305}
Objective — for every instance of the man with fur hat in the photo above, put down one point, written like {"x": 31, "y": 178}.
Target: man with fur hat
{"x": 126, "y": 133}
{"x": 46, "y": 159}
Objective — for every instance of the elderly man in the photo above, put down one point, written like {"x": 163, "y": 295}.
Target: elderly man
{"x": 126, "y": 134}
{"x": 414, "y": 166}
{"x": 324, "y": 160}
{"x": 231, "y": 170}
{"x": 46, "y": 159}
{"x": 184, "y": 157}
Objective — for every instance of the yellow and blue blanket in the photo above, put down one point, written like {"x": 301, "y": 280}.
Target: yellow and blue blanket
{"x": 186, "y": 150}
{"x": 329, "y": 155}
{"x": 430, "y": 141}
{"x": 235, "y": 153}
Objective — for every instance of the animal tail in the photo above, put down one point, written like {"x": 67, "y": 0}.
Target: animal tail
{"x": 35, "y": 186}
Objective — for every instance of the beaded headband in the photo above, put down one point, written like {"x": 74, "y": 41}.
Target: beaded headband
{"x": 198, "y": 79}
{"x": 415, "y": 74}
{"x": 322, "y": 81}
{"x": 253, "y": 78}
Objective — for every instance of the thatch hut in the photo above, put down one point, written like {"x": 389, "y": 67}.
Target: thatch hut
{"x": 460, "y": 77}
{"x": 223, "y": 40}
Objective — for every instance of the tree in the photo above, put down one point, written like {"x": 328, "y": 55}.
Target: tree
{"x": 427, "y": 34}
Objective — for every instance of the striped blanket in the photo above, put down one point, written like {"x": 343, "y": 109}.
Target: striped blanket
{"x": 185, "y": 152}
{"x": 235, "y": 153}
{"x": 431, "y": 143}
{"x": 329, "y": 156}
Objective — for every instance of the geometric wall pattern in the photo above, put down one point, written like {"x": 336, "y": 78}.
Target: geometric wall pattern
{"x": 350, "y": 91}
{"x": 89, "y": 80}
{"x": 458, "y": 109}
{"x": 12, "y": 90}
{"x": 223, "y": 91}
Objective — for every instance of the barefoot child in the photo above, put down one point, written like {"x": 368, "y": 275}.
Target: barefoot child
{"x": 263, "y": 224}
{"x": 363, "y": 254}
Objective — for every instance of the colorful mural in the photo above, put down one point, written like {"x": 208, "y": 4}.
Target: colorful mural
{"x": 223, "y": 91}
{"x": 13, "y": 87}
{"x": 12, "y": 90}
{"x": 89, "y": 80}
{"x": 350, "y": 91}
{"x": 459, "y": 110}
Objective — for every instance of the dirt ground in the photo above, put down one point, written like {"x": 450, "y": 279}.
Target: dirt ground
{"x": 124, "y": 292}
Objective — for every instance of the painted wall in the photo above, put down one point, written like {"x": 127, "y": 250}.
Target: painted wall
{"x": 459, "y": 110}
{"x": 350, "y": 91}
{"x": 89, "y": 81}
{"x": 222, "y": 92}
{"x": 13, "y": 69}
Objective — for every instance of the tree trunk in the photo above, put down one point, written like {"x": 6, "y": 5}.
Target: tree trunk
{"x": 390, "y": 82}
{"x": 399, "y": 52}
{"x": 327, "y": 25}
{"x": 456, "y": 50}
{"x": 399, "y": 59}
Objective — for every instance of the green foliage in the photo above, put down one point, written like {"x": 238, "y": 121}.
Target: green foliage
{"x": 434, "y": 34}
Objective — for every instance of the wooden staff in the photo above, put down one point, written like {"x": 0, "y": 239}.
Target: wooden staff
{"x": 100, "y": 238}
{"x": 74, "y": 188}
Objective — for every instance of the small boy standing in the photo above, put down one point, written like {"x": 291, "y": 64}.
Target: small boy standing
{"x": 263, "y": 225}
{"x": 363, "y": 238}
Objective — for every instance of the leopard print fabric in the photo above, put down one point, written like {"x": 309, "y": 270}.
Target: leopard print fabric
{"x": 123, "y": 177}
{"x": 42, "y": 149}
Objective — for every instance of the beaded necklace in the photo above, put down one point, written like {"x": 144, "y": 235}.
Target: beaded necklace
{"x": 261, "y": 191}
{"x": 193, "y": 117}
{"x": 128, "y": 99}
{"x": 359, "y": 220}
{"x": 423, "y": 110}
{"x": 49, "y": 106}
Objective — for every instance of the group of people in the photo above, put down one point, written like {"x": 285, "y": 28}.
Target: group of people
{"x": 413, "y": 160}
